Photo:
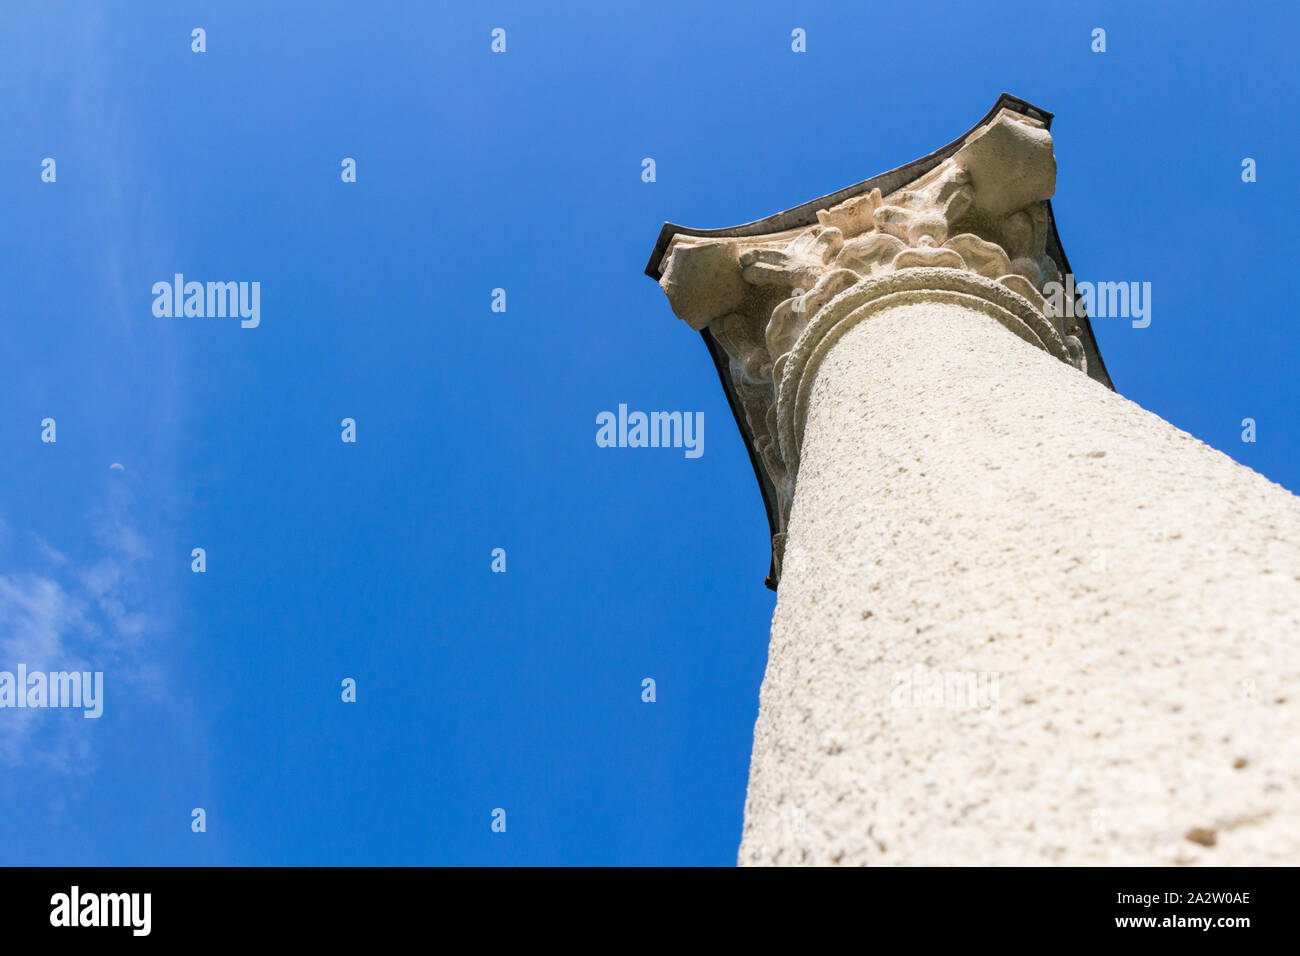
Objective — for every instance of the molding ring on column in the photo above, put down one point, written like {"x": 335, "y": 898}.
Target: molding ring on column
{"x": 871, "y": 296}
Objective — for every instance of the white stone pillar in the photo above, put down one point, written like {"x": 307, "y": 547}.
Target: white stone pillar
{"x": 1020, "y": 620}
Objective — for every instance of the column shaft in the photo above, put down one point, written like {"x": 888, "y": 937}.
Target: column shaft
{"x": 1021, "y": 621}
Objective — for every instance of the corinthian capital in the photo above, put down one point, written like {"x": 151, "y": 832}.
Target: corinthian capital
{"x": 971, "y": 221}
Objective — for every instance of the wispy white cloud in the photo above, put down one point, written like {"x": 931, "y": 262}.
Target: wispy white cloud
{"x": 62, "y": 615}
{"x": 50, "y": 554}
{"x": 44, "y": 627}
{"x": 87, "y": 602}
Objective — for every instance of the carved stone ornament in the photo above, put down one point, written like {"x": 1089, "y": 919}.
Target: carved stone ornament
{"x": 970, "y": 223}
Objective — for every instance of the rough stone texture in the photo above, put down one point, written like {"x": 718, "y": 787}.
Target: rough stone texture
{"x": 970, "y": 504}
{"x": 703, "y": 282}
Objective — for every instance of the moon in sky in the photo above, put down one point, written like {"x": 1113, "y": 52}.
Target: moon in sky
{"x": 117, "y": 466}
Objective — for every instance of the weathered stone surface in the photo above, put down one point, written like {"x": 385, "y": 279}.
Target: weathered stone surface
{"x": 973, "y": 506}
{"x": 1021, "y": 620}
{"x": 703, "y": 283}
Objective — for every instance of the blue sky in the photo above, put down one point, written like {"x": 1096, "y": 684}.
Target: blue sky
{"x": 476, "y": 429}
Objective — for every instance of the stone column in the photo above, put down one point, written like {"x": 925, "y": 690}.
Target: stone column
{"x": 1020, "y": 620}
